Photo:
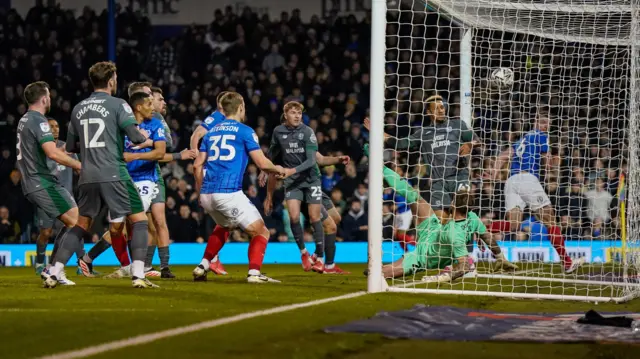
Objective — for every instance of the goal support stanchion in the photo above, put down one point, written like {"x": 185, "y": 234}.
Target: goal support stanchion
{"x": 376, "y": 282}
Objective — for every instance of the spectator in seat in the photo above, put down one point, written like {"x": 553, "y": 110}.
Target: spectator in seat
{"x": 330, "y": 178}
{"x": 7, "y": 227}
{"x": 598, "y": 207}
{"x": 572, "y": 206}
{"x": 355, "y": 223}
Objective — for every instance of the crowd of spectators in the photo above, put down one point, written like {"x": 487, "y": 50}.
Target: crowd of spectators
{"x": 324, "y": 65}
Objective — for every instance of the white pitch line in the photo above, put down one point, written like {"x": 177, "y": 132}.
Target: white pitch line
{"x": 148, "y": 338}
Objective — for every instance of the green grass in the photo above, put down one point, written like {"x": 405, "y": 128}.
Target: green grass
{"x": 36, "y": 322}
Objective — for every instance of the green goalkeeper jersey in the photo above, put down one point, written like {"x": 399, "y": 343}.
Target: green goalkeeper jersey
{"x": 474, "y": 225}
{"x": 437, "y": 246}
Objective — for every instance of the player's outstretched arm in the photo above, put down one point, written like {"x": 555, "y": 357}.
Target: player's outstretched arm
{"x": 182, "y": 155}
{"x": 158, "y": 152}
{"x": 264, "y": 164}
{"x": 196, "y": 136}
{"x": 56, "y": 154}
{"x": 413, "y": 142}
{"x": 331, "y": 160}
{"x": 271, "y": 188}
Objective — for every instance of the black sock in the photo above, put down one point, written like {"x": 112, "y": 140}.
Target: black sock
{"x": 330, "y": 247}
{"x": 318, "y": 237}
{"x": 56, "y": 243}
{"x": 69, "y": 244}
{"x": 163, "y": 253}
{"x": 151, "y": 251}
{"x": 41, "y": 252}
{"x": 139, "y": 238}
{"x": 98, "y": 248}
{"x": 298, "y": 234}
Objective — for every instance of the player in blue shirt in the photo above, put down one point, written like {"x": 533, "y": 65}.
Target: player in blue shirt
{"x": 213, "y": 119}
{"x": 523, "y": 187}
{"x": 224, "y": 154}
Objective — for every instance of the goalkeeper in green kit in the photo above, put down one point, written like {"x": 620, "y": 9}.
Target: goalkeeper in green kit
{"x": 439, "y": 245}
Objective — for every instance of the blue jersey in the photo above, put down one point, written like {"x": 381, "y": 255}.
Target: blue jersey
{"x": 213, "y": 119}
{"x": 143, "y": 170}
{"x": 528, "y": 153}
{"x": 400, "y": 202}
{"x": 227, "y": 145}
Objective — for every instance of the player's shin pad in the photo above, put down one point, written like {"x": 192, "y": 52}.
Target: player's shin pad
{"x": 401, "y": 186}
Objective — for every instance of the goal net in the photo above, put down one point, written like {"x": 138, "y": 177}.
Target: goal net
{"x": 574, "y": 62}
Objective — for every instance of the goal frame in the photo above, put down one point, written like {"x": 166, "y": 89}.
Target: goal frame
{"x": 375, "y": 282}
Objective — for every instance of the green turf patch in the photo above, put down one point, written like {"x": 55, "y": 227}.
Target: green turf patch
{"x": 101, "y": 310}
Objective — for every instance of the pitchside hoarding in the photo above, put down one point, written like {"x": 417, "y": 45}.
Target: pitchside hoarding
{"x": 287, "y": 253}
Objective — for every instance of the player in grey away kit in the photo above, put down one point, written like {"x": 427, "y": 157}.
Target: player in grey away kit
{"x": 35, "y": 144}
{"x": 296, "y": 145}
{"x": 98, "y": 126}
{"x": 442, "y": 143}
{"x": 47, "y": 224}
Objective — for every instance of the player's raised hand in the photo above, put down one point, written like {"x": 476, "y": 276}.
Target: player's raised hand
{"x": 188, "y": 154}
{"x": 262, "y": 179}
{"x": 344, "y": 160}
{"x": 465, "y": 149}
{"x": 367, "y": 123}
{"x": 268, "y": 206}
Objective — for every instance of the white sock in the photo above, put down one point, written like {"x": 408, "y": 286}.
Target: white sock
{"x": 329, "y": 266}
{"x": 254, "y": 272}
{"x": 56, "y": 269}
{"x": 205, "y": 263}
{"x": 320, "y": 259}
{"x": 86, "y": 258}
{"x": 303, "y": 251}
{"x": 137, "y": 269}
{"x": 126, "y": 267}
{"x": 215, "y": 259}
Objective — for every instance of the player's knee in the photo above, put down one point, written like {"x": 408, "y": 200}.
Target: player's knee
{"x": 70, "y": 217}
{"x": 337, "y": 218}
{"x": 45, "y": 234}
{"x": 115, "y": 229}
{"x": 294, "y": 218}
{"x": 83, "y": 222}
{"x": 329, "y": 226}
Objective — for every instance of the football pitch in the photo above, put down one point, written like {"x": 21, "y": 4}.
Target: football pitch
{"x": 35, "y": 322}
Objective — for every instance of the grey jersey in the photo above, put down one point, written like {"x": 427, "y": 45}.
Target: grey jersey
{"x": 296, "y": 147}
{"x": 167, "y": 130}
{"x": 33, "y": 131}
{"x": 64, "y": 174}
{"x": 439, "y": 145}
{"x": 98, "y": 124}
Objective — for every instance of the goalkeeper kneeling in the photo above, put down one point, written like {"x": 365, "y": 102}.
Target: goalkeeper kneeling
{"x": 439, "y": 244}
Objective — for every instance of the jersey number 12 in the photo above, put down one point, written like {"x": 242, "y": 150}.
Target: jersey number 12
{"x": 95, "y": 139}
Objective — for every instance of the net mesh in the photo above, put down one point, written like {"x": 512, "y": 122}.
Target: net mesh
{"x": 572, "y": 61}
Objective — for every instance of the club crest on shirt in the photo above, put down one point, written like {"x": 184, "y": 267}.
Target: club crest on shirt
{"x": 313, "y": 138}
{"x": 300, "y": 136}
{"x": 234, "y": 212}
{"x": 127, "y": 108}
{"x": 44, "y": 126}
{"x": 284, "y": 137}
{"x": 208, "y": 120}
{"x": 255, "y": 137}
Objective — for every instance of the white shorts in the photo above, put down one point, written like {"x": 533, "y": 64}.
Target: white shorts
{"x": 524, "y": 189}
{"x": 402, "y": 221}
{"x": 148, "y": 190}
{"x": 230, "y": 210}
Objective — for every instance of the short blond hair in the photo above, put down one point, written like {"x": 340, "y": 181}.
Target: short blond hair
{"x": 230, "y": 103}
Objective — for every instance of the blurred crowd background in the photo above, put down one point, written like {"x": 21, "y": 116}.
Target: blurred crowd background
{"x": 324, "y": 63}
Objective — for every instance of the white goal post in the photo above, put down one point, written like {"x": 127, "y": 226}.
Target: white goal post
{"x": 578, "y": 60}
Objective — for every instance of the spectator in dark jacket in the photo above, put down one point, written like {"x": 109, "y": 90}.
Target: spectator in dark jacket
{"x": 355, "y": 223}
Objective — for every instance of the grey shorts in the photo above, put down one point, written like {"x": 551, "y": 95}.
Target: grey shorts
{"x": 327, "y": 205}
{"x": 120, "y": 197}
{"x": 442, "y": 191}
{"x": 309, "y": 195}
{"x": 51, "y": 203}
{"x": 162, "y": 191}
